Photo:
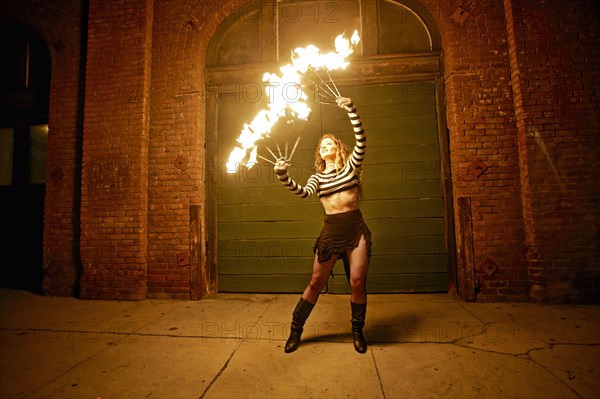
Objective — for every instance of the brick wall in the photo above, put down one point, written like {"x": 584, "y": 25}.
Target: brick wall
{"x": 182, "y": 33}
{"x": 115, "y": 150}
{"x": 555, "y": 72}
{"x": 521, "y": 82}
{"x": 175, "y": 156}
{"x": 521, "y": 99}
{"x": 483, "y": 145}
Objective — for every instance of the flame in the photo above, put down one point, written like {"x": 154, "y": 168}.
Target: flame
{"x": 286, "y": 97}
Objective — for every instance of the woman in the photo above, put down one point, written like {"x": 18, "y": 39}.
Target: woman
{"x": 344, "y": 235}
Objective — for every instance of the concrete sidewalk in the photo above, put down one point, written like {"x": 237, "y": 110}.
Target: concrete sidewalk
{"x": 231, "y": 346}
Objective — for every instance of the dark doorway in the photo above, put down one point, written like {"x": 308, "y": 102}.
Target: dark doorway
{"x": 24, "y": 104}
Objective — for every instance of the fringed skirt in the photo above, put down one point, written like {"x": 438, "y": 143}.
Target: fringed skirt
{"x": 342, "y": 232}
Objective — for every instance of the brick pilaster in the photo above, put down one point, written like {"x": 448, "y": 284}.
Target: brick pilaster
{"x": 115, "y": 150}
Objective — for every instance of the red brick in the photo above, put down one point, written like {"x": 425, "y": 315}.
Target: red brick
{"x": 499, "y": 92}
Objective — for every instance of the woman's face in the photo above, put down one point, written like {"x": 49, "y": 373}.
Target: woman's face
{"x": 327, "y": 149}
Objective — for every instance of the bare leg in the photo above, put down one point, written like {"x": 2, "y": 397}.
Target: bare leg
{"x": 359, "y": 266}
{"x": 320, "y": 275}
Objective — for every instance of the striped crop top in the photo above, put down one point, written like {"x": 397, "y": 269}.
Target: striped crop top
{"x": 325, "y": 184}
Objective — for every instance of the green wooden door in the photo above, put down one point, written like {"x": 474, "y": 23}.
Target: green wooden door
{"x": 266, "y": 233}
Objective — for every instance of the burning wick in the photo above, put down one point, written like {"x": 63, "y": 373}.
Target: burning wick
{"x": 304, "y": 59}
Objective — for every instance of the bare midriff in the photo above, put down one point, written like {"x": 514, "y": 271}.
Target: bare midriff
{"x": 344, "y": 201}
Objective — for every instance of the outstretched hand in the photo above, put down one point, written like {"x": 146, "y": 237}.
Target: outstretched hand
{"x": 345, "y": 103}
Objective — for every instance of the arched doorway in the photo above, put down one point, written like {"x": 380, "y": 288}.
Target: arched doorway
{"x": 260, "y": 235}
{"x": 24, "y": 97}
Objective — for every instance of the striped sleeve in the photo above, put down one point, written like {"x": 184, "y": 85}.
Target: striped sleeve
{"x": 303, "y": 192}
{"x": 358, "y": 154}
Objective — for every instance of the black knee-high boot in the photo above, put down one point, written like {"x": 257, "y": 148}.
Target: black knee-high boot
{"x": 359, "y": 311}
{"x": 301, "y": 313}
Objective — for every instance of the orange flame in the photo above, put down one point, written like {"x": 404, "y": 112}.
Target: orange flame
{"x": 286, "y": 95}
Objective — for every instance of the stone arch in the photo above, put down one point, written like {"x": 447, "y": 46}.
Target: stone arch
{"x": 429, "y": 67}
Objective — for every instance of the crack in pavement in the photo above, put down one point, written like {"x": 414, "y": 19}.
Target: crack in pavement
{"x": 226, "y": 364}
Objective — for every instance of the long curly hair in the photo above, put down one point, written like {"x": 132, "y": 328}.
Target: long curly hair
{"x": 341, "y": 157}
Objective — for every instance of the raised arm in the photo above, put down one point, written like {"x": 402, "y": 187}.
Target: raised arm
{"x": 358, "y": 153}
